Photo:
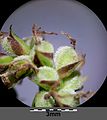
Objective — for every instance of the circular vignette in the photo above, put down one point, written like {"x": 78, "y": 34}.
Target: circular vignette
{"x": 76, "y": 19}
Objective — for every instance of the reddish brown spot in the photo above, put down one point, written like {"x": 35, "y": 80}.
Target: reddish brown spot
{"x": 2, "y": 54}
{"x": 48, "y": 55}
{"x": 15, "y": 46}
{"x": 47, "y": 96}
{"x": 37, "y": 61}
{"x": 3, "y": 68}
{"x": 65, "y": 69}
{"x": 47, "y": 82}
{"x": 56, "y": 97}
{"x": 55, "y": 85}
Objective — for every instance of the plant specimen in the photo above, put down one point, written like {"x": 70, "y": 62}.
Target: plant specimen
{"x": 56, "y": 73}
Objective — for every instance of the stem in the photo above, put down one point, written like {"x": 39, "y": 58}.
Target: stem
{"x": 5, "y": 80}
{"x": 56, "y": 97}
{"x": 85, "y": 95}
{"x": 73, "y": 41}
{"x": 55, "y": 85}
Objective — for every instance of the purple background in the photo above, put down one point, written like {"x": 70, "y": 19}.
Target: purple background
{"x": 69, "y": 16}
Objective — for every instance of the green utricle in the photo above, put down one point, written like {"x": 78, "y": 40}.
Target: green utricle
{"x": 67, "y": 70}
{"x": 29, "y": 42}
{"x": 45, "y": 46}
{"x": 44, "y": 60}
{"x": 69, "y": 85}
{"x": 69, "y": 97}
{"x": 46, "y": 77}
{"x": 69, "y": 100}
{"x": 17, "y": 70}
{"x": 45, "y": 52}
{"x": 16, "y": 40}
{"x": 75, "y": 83}
{"x": 6, "y": 46}
{"x": 40, "y": 101}
{"x": 5, "y": 60}
{"x": 64, "y": 56}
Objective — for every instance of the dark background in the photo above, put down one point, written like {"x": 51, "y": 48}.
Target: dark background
{"x": 8, "y": 97}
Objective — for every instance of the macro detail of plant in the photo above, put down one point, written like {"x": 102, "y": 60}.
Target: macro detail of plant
{"x": 56, "y": 73}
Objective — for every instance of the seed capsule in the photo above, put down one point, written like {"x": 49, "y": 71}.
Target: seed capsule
{"x": 44, "y": 53}
{"x": 12, "y": 44}
{"x": 40, "y": 101}
{"x": 67, "y": 70}
{"x": 46, "y": 77}
{"x": 44, "y": 49}
{"x": 17, "y": 70}
{"x": 66, "y": 60}
{"x": 19, "y": 43}
{"x": 69, "y": 100}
